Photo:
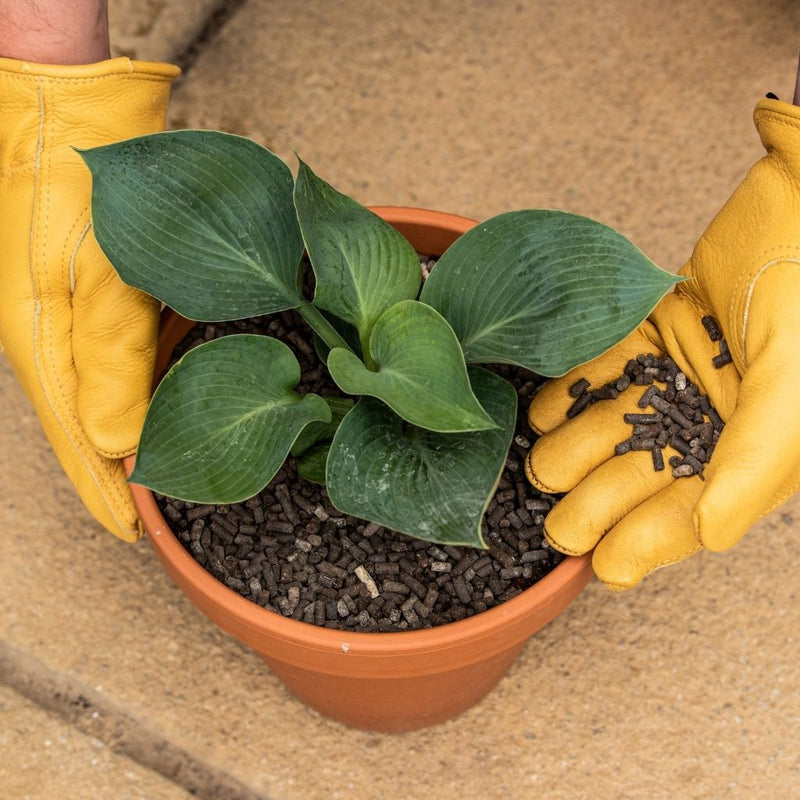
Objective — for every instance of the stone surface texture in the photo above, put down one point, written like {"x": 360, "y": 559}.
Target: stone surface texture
{"x": 632, "y": 112}
{"x": 45, "y": 757}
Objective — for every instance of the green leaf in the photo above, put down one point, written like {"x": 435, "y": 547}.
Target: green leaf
{"x": 543, "y": 289}
{"x": 311, "y": 465}
{"x": 223, "y": 419}
{"x": 434, "y": 486}
{"x": 322, "y": 431}
{"x": 362, "y": 265}
{"x": 202, "y": 220}
{"x": 420, "y": 370}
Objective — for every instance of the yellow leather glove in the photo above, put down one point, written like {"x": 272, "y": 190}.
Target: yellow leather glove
{"x": 745, "y": 272}
{"x": 81, "y": 342}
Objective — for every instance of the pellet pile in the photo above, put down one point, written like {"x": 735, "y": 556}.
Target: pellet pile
{"x": 681, "y": 417}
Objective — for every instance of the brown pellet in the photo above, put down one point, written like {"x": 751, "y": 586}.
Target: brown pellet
{"x": 579, "y": 405}
{"x": 412, "y": 583}
{"x": 534, "y": 555}
{"x": 199, "y": 511}
{"x": 645, "y": 431}
{"x": 623, "y": 447}
{"x": 462, "y": 590}
{"x": 649, "y": 393}
{"x": 221, "y": 521}
{"x": 694, "y": 463}
{"x": 395, "y": 587}
{"x": 578, "y": 388}
{"x": 680, "y": 445}
{"x": 276, "y": 526}
{"x": 643, "y": 419}
{"x": 431, "y": 596}
{"x": 607, "y": 392}
{"x": 453, "y": 552}
{"x": 722, "y": 359}
{"x": 658, "y": 459}
{"x": 287, "y": 504}
{"x": 712, "y": 328}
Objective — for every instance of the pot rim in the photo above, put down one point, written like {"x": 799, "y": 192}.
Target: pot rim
{"x": 260, "y": 620}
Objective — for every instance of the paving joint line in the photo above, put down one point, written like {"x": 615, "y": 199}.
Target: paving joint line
{"x": 217, "y": 19}
{"x": 94, "y": 715}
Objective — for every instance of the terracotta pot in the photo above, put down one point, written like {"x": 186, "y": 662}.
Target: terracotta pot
{"x": 377, "y": 681}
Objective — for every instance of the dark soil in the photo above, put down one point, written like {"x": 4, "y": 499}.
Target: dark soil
{"x": 289, "y": 550}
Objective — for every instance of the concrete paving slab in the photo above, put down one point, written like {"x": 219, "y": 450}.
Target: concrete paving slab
{"x": 155, "y": 30}
{"x": 45, "y": 757}
{"x": 635, "y": 113}
{"x": 629, "y": 112}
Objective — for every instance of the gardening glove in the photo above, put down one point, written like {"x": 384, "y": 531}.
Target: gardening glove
{"x": 745, "y": 273}
{"x": 81, "y": 342}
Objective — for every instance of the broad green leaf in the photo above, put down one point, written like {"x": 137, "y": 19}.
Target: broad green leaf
{"x": 362, "y": 265}
{"x": 223, "y": 419}
{"x": 311, "y": 465}
{"x": 420, "y": 371}
{"x": 322, "y": 431}
{"x": 434, "y": 486}
{"x": 202, "y": 220}
{"x": 546, "y": 290}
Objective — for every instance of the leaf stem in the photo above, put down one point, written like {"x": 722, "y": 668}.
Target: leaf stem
{"x": 314, "y": 317}
{"x": 368, "y": 360}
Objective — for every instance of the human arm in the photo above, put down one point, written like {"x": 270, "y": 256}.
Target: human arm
{"x": 81, "y": 343}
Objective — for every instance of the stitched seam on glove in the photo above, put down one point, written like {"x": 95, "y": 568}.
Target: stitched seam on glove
{"x": 50, "y": 370}
{"x": 781, "y": 500}
{"x": 116, "y": 454}
{"x": 778, "y": 118}
{"x": 532, "y": 476}
{"x": 621, "y": 587}
{"x": 37, "y": 80}
{"x": 560, "y": 547}
{"x": 751, "y": 290}
{"x": 74, "y": 254}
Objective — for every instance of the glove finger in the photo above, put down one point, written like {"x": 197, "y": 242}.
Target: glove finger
{"x": 560, "y": 459}
{"x": 51, "y": 387}
{"x": 548, "y": 409}
{"x": 756, "y": 463}
{"x": 114, "y": 338}
{"x": 579, "y": 520}
{"x": 102, "y": 485}
{"x": 655, "y": 534}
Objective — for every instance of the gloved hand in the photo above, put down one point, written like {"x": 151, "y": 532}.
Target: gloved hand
{"x": 745, "y": 272}
{"x": 80, "y": 341}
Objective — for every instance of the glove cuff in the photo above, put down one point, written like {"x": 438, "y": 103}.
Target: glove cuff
{"x": 111, "y": 66}
{"x": 49, "y": 106}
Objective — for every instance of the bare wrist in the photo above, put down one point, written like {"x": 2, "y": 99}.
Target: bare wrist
{"x": 54, "y": 31}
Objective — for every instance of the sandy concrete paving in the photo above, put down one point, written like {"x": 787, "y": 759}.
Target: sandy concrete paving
{"x": 635, "y": 113}
{"x": 45, "y": 758}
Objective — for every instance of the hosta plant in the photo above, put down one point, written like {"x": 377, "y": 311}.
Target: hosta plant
{"x": 216, "y": 227}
